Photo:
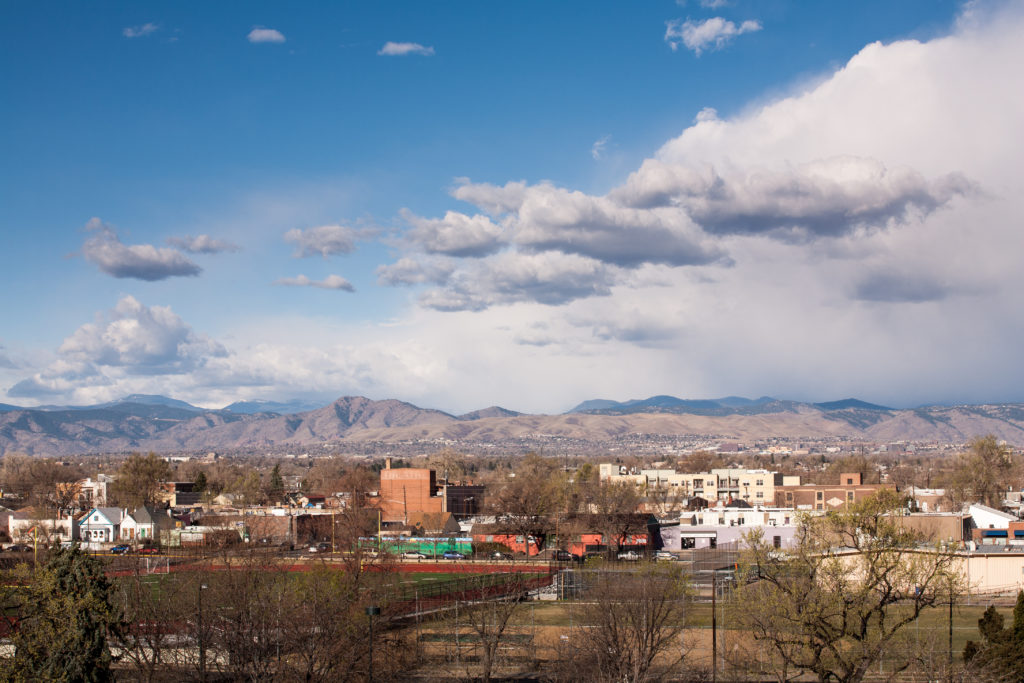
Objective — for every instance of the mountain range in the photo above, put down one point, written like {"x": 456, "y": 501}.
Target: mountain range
{"x": 162, "y": 424}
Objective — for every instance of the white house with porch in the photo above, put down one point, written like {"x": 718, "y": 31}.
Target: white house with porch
{"x": 101, "y": 525}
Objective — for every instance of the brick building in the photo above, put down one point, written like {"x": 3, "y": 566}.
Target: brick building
{"x": 850, "y": 489}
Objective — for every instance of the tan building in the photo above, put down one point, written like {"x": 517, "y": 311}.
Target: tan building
{"x": 756, "y": 487}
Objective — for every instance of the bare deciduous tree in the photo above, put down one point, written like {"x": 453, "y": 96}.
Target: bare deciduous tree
{"x": 629, "y": 626}
{"x": 829, "y": 605}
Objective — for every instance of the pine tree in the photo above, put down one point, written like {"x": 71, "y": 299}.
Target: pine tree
{"x": 275, "y": 489}
{"x": 65, "y": 621}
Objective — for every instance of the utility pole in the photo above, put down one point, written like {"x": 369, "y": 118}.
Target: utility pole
{"x": 202, "y": 636}
{"x": 714, "y": 626}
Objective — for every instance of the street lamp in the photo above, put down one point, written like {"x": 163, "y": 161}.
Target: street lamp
{"x": 371, "y": 612}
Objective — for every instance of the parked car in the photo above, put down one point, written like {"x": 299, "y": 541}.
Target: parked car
{"x": 629, "y": 555}
{"x": 413, "y": 555}
{"x": 149, "y": 550}
{"x": 321, "y": 547}
{"x": 453, "y": 555}
{"x": 565, "y": 556}
{"x": 663, "y": 555}
{"x": 498, "y": 555}
{"x": 121, "y": 549}
{"x": 19, "y": 548}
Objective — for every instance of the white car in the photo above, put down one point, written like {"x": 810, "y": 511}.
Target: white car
{"x": 629, "y": 555}
{"x": 664, "y": 555}
{"x": 413, "y": 555}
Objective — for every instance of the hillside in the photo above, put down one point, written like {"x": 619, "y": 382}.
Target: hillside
{"x": 161, "y": 425}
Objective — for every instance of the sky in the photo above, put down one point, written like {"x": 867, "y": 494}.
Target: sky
{"x": 524, "y": 204}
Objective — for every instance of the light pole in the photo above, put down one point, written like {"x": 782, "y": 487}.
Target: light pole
{"x": 371, "y": 612}
{"x": 202, "y": 635}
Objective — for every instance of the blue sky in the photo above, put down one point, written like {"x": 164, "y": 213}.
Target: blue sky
{"x": 526, "y": 204}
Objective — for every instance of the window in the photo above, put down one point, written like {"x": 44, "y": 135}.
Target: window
{"x": 789, "y": 495}
{"x": 820, "y": 495}
{"x": 759, "y": 482}
{"x": 698, "y": 483}
{"x": 785, "y": 520}
{"x": 776, "y": 541}
{"x": 760, "y": 494}
{"x": 849, "y": 481}
{"x": 849, "y": 496}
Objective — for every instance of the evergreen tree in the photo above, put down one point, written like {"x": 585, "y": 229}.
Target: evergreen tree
{"x": 64, "y": 623}
{"x": 199, "y": 484}
{"x": 275, "y": 489}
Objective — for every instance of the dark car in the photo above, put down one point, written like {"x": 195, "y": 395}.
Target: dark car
{"x": 120, "y": 549}
{"x": 19, "y": 548}
{"x": 565, "y": 556}
{"x": 498, "y": 555}
{"x": 453, "y": 555}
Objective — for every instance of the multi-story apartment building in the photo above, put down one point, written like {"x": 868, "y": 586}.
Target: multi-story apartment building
{"x": 756, "y": 487}
{"x": 850, "y": 489}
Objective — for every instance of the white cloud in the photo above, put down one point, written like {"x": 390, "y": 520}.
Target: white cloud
{"x": 329, "y": 282}
{"x": 143, "y": 339}
{"x": 455, "y": 235}
{"x": 139, "y": 31}
{"x": 598, "y": 148}
{"x": 700, "y": 36}
{"x": 132, "y": 340}
{"x": 550, "y": 278}
{"x": 138, "y": 261}
{"x": 392, "y": 49}
{"x": 491, "y": 198}
{"x": 201, "y": 244}
{"x": 825, "y": 196}
{"x": 265, "y": 35}
{"x": 410, "y": 271}
{"x": 325, "y": 240}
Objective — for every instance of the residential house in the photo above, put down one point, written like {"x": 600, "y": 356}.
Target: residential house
{"x": 101, "y": 525}
{"x": 36, "y": 522}
{"x": 145, "y": 524}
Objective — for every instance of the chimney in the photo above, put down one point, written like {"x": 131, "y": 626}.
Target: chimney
{"x": 387, "y": 463}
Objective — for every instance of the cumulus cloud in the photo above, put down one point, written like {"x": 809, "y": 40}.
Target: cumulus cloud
{"x": 142, "y": 339}
{"x": 131, "y": 340}
{"x": 325, "y": 240}
{"x": 491, "y": 198}
{"x": 265, "y": 35}
{"x": 329, "y": 282}
{"x": 822, "y": 197}
{"x": 139, "y": 261}
{"x": 392, "y": 49}
{"x": 410, "y": 271}
{"x": 139, "y": 31}
{"x": 201, "y": 244}
{"x": 550, "y": 278}
{"x": 710, "y": 34}
{"x": 455, "y": 235}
